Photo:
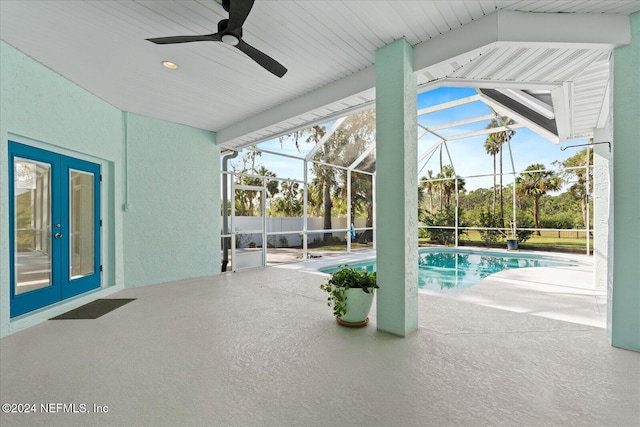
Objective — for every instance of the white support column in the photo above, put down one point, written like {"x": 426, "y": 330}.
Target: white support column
{"x": 375, "y": 204}
{"x": 602, "y": 261}
{"x": 305, "y": 212}
{"x": 349, "y": 211}
{"x": 514, "y": 218}
{"x": 587, "y": 198}
{"x": 397, "y": 189}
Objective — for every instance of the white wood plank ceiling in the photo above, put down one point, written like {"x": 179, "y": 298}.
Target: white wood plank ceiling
{"x": 101, "y": 46}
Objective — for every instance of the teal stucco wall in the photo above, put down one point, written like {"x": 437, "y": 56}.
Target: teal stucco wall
{"x": 626, "y": 193}
{"x": 396, "y": 183}
{"x": 167, "y": 173}
{"x": 172, "y": 221}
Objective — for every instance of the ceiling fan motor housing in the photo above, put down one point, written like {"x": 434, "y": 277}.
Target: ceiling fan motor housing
{"x": 229, "y": 37}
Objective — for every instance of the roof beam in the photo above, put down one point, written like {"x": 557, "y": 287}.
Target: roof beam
{"x": 352, "y": 85}
{"x": 325, "y": 137}
{"x": 362, "y": 156}
{"x": 503, "y": 28}
{"x": 483, "y": 132}
{"x": 531, "y": 102}
{"x": 463, "y": 122}
{"x": 450, "y": 104}
{"x": 571, "y": 30}
{"x": 504, "y": 111}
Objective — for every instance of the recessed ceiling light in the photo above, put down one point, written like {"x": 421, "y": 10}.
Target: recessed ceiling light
{"x": 170, "y": 65}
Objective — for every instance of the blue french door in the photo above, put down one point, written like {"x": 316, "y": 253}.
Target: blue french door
{"x": 54, "y": 211}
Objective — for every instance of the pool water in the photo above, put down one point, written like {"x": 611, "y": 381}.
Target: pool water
{"x": 450, "y": 269}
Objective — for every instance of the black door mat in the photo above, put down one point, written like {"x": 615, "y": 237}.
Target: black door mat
{"x": 94, "y": 309}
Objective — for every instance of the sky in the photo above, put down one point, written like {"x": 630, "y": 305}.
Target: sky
{"x": 468, "y": 155}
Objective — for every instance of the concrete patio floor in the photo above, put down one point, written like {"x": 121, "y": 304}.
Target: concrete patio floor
{"x": 260, "y": 348}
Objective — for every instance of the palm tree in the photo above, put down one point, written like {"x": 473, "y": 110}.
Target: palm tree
{"x": 449, "y": 184}
{"x": 428, "y": 185}
{"x": 290, "y": 203}
{"x": 362, "y": 201}
{"x": 328, "y": 188}
{"x": 493, "y": 145}
{"x": 325, "y": 175}
{"x": 579, "y": 188}
{"x": 535, "y": 182}
{"x": 314, "y": 197}
{"x": 343, "y": 147}
{"x": 256, "y": 181}
{"x": 326, "y": 181}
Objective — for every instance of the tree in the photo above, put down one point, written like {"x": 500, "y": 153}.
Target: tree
{"x": 350, "y": 140}
{"x": 254, "y": 175}
{"x": 492, "y": 148}
{"x": 579, "y": 187}
{"x": 325, "y": 176}
{"x": 427, "y": 184}
{"x": 494, "y": 145}
{"x": 343, "y": 147}
{"x": 362, "y": 201}
{"x": 535, "y": 182}
{"x": 448, "y": 184}
{"x": 289, "y": 202}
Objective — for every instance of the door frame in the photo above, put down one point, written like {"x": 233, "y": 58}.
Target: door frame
{"x": 263, "y": 223}
{"x": 62, "y": 286}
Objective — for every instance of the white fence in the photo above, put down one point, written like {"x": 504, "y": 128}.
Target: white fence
{"x": 287, "y": 231}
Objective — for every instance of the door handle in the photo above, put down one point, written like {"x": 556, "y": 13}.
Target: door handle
{"x": 57, "y": 235}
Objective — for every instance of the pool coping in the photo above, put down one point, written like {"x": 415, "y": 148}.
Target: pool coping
{"x": 315, "y": 264}
{"x": 565, "y": 293}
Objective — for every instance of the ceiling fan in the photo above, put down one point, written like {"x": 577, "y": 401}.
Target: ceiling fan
{"x": 230, "y": 32}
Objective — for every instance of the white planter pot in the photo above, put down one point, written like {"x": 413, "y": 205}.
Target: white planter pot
{"x": 358, "y": 306}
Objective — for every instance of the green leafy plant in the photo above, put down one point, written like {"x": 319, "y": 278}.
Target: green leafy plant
{"x": 343, "y": 279}
{"x": 488, "y": 220}
{"x": 524, "y": 235}
{"x": 444, "y": 218}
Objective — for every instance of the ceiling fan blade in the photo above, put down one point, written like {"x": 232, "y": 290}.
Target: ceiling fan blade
{"x": 186, "y": 39}
{"x": 264, "y": 60}
{"x": 238, "y": 12}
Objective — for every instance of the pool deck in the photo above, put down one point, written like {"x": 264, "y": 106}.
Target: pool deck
{"x": 561, "y": 293}
{"x": 260, "y": 348}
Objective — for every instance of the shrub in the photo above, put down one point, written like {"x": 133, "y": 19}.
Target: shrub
{"x": 565, "y": 220}
{"x": 445, "y": 218}
{"x": 489, "y": 220}
{"x": 524, "y": 235}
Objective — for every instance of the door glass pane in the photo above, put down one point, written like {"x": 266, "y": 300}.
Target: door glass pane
{"x": 32, "y": 202}
{"x": 81, "y": 241}
{"x": 248, "y": 224}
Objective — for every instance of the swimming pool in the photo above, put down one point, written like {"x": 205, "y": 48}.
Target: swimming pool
{"x": 447, "y": 269}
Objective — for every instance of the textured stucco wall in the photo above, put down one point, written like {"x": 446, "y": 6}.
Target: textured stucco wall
{"x": 626, "y": 193}
{"x": 172, "y": 224}
{"x": 172, "y": 228}
{"x": 41, "y": 108}
{"x": 396, "y": 195}
{"x": 602, "y": 262}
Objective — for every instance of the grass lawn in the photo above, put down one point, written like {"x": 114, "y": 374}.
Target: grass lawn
{"x": 472, "y": 238}
{"x": 339, "y": 246}
{"x": 543, "y": 243}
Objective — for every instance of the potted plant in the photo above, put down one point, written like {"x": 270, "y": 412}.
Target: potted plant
{"x": 519, "y": 235}
{"x": 351, "y": 295}
{"x": 512, "y": 242}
